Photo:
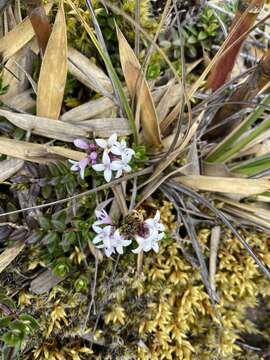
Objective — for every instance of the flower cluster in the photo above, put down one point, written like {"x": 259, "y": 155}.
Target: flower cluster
{"x": 114, "y": 155}
{"x": 111, "y": 239}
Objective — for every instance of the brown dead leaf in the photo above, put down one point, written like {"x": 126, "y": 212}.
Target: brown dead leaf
{"x": 138, "y": 88}
{"x": 53, "y": 72}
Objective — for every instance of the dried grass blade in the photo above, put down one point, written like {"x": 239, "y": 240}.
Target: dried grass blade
{"x": 18, "y": 37}
{"x": 139, "y": 89}
{"x": 53, "y": 72}
{"x": 45, "y": 127}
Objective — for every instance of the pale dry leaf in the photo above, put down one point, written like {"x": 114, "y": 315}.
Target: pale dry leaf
{"x": 19, "y": 82}
{"x": 39, "y": 153}
{"x": 22, "y": 102}
{"x": 45, "y": 127}
{"x": 88, "y": 73}
{"x": 239, "y": 186}
{"x": 105, "y": 127}
{"x": 91, "y": 109}
{"x": 9, "y": 167}
{"x": 53, "y": 72}
{"x": 45, "y": 282}
{"x": 18, "y": 37}
{"x": 139, "y": 89}
{"x": 9, "y": 254}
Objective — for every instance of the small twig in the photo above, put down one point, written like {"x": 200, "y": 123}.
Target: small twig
{"x": 139, "y": 262}
{"x": 15, "y": 226}
{"x": 137, "y": 30}
{"x": 214, "y": 244}
{"x": 93, "y": 290}
{"x": 133, "y": 195}
{"x": 148, "y": 170}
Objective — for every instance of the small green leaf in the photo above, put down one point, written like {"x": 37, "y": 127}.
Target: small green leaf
{"x": 44, "y": 223}
{"x": 58, "y": 225}
{"x": 12, "y": 339}
{"x": 29, "y": 321}
{"x": 46, "y": 191}
{"x": 4, "y": 321}
{"x": 202, "y": 35}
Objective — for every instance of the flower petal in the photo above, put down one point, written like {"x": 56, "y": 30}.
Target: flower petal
{"x": 112, "y": 139}
{"x": 81, "y": 144}
{"x": 98, "y": 167}
{"x": 106, "y": 159}
{"x": 108, "y": 175}
{"x": 82, "y": 165}
{"x": 101, "y": 143}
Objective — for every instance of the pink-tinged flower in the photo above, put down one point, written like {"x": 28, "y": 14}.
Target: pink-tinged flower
{"x": 81, "y": 144}
{"x": 80, "y": 165}
{"x": 121, "y": 149}
{"x": 102, "y": 219}
{"x": 93, "y": 157}
{"x": 107, "y": 144}
{"x": 107, "y": 166}
{"x": 105, "y": 236}
{"x": 119, "y": 242}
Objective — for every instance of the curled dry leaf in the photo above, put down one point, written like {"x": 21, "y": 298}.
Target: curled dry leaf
{"x": 18, "y": 37}
{"x": 138, "y": 88}
{"x": 53, "y": 72}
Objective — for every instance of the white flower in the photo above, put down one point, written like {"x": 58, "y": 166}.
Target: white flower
{"x": 155, "y": 234}
{"x": 105, "y": 235}
{"x": 120, "y": 148}
{"x": 148, "y": 243}
{"x": 154, "y": 223}
{"x": 80, "y": 165}
{"x": 122, "y": 166}
{"x": 120, "y": 242}
{"x": 107, "y": 144}
{"x": 107, "y": 166}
